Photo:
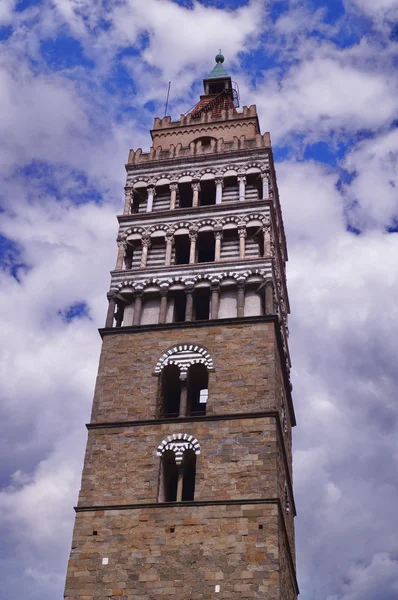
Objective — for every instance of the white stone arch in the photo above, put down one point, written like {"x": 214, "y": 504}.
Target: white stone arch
{"x": 178, "y": 443}
{"x": 140, "y": 182}
{"x": 184, "y": 356}
{"x": 133, "y": 231}
{"x": 248, "y": 219}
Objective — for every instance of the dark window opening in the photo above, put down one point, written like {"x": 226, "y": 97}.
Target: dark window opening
{"x": 139, "y": 197}
{"x": 201, "y": 303}
{"x": 205, "y": 247}
{"x": 255, "y": 241}
{"x": 128, "y": 258}
{"x": 180, "y": 302}
{"x": 207, "y": 193}
{"x": 197, "y": 384}
{"x": 254, "y": 186}
{"x": 185, "y": 195}
{"x": 182, "y": 247}
{"x": 170, "y": 391}
{"x": 205, "y": 141}
{"x": 189, "y": 469}
{"x": 170, "y": 476}
{"x": 216, "y": 87}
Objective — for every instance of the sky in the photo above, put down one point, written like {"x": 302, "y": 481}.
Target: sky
{"x": 80, "y": 84}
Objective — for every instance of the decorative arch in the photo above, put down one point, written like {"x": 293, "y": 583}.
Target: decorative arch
{"x": 184, "y": 356}
{"x": 178, "y": 443}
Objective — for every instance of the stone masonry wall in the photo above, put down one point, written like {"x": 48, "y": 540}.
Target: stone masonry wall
{"x": 173, "y": 553}
{"x": 238, "y": 459}
{"x": 243, "y": 379}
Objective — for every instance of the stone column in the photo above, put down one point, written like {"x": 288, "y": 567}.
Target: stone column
{"x": 195, "y": 190}
{"x": 241, "y": 299}
{"x": 265, "y": 178}
{"x": 242, "y": 240}
{"x": 269, "y": 297}
{"x": 163, "y": 306}
{"x": 215, "y": 300}
{"x": 183, "y": 396}
{"x": 110, "y": 315}
{"x": 120, "y": 255}
{"x": 189, "y": 304}
{"x": 267, "y": 241}
{"x": 137, "y": 309}
{"x": 146, "y": 243}
{"x": 180, "y": 483}
{"x": 169, "y": 248}
{"x": 217, "y": 249}
{"x": 173, "y": 195}
{"x": 128, "y": 200}
{"x": 219, "y": 187}
{"x": 193, "y": 236}
{"x": 242, "y": 187}
{"x": 151, "y": 194}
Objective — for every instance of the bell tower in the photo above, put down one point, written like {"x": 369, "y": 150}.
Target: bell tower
{"x": 187, "y": 481}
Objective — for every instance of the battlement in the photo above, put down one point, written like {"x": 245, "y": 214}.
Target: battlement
{"x": 205, "y": 117}
{"x": 196, "y": 148}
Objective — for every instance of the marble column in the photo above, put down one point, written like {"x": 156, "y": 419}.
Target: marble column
{"x": 128, "y": 200}
{"x": 110, "y": 315}
{"x": 137, "y": 309}
{"x": 120, "y": 255}
{"x": 219, "y": 187}
{"x": 163, "y": 306}
{"x": 151, "y": 194}
{"x": 189, "y": 304}
{"x": 173, "y": 195}
{"x": 169, "y": 248}
{"x": 180, "y": 483}
{"x": 146, "y": 243}
{"x": 217, "y": 249}
{"x": 195, "y": 193}
{"x": 265, "y": 178}
{"x": 241, "y": 299}
{"x": 242, "y": 241}
{"x": 242, "y": 187}
{"x": 267, "y": 241}
{"x": 183, "y": 396}
{"x": 193, "y": 236}
{"x": 215, "y": 300}
{"x": 269, "y": 297}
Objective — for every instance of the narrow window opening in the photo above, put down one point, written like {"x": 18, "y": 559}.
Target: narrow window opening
{"x": 261, "y": 526}
{"x": 182, "y": 248}
{"x": 254, "y": 186}
{"x": 157, "y": 252}
{"x": 139, "y": 199}
{"x": 206, "y": 247}
{"x": 202, "y": 303}
{"x": 172, "y": 529}
{"x": 171, "y": 391}
{"x": 119, "y": 314}
{"x": 162, "y": 198}
{"x": 254, "y": 243}
{"x": 95, "y": 532}
{"x": 230, "y": 244}
{"x": 180, "y": 302}
{"x": 231, "y": 189}
{"x": 207, "y": 193}
{"x": 185, "y": 195}
{"x": 170, "y": 476}
{"x": 197, "y": 384}
{"x": 189, "y": 469}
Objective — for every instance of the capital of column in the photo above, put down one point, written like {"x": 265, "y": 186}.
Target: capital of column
{"x": 151, "y": 189}
{"x": 242, "y": 231}
{"x": 218, "y": 234}
{"x": 173, "y": 186}
{"x": 146, "y": 242}
{"x": 219, "y": 181}
{"x": 169, "y": 237}
{"x": 241, "y": 178}
{"x": 265, "y": 176}
{"x": 195, "y": 186}
{"x": 193, "y": 234}
{"x": 122, "y": 244}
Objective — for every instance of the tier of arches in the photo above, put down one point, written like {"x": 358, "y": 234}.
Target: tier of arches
{"x": 208, "y": 240}
{"x": 200, "y": 298}
{"x": 197, "y": 188}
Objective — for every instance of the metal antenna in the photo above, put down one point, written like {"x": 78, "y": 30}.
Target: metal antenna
{"x": 167, "y": 99}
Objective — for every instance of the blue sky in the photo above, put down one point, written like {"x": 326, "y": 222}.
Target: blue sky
{"x": 80, "y": 84}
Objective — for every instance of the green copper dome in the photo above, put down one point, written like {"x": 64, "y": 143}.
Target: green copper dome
{"x": 218, "y": 72}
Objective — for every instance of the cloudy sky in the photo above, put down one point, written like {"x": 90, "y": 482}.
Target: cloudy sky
{"x": 80, "y": 83}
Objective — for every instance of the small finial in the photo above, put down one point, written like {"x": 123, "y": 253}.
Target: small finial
{"x": 219, "y": 58}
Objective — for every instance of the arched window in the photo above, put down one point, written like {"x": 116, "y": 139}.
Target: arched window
{"x": 197, "y": 386}
{"x": 177, "y": 468}
{"x": 170, "y": 392}
{"x": 183, "y": 381}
